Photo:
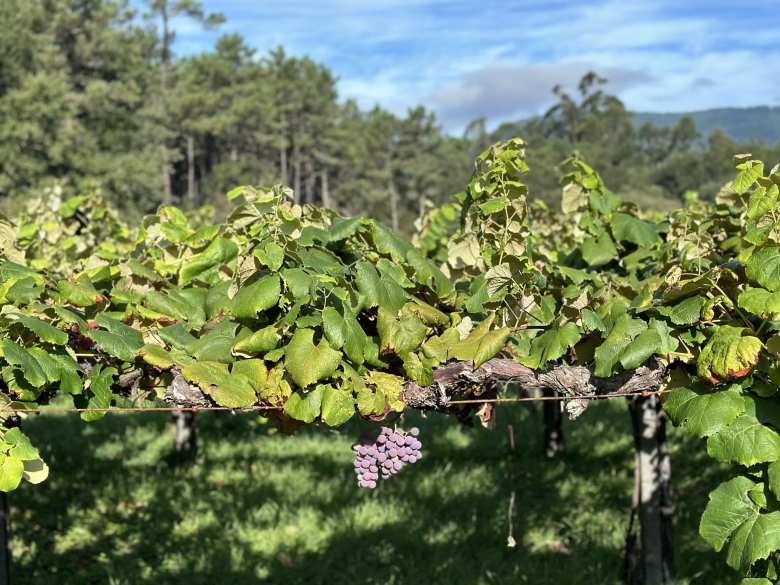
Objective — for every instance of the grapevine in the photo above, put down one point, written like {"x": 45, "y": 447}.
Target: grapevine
{"x": 327, "y": 318}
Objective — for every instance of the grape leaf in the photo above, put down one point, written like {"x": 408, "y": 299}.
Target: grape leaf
{"x": 759, "y": 301}
{"x": 732, "y": 516}
{"x": 11, "y": 472}
{"x": 338, "y": 406}
{"x": 747, "y": 440}
{"x": 763, "y": 268}
{"x": 308, "y": 363}
{"x": 686, "y": 312}
{"x": 257, "y": 297}
{"x": 551, "y": 345}
{"x": 627, "y": 228}
{"x": 622, "y": 333}
{"x": 728, "y": 354}
{"x": 305, "y": 407}
{"x": 43, "y": 330}
{"x": 704, "y": 412}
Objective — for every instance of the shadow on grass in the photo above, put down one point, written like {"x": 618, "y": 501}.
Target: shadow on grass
{"x": 263, "y": 508}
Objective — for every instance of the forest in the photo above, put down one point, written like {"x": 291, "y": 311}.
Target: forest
{"x": 92, "y": 94}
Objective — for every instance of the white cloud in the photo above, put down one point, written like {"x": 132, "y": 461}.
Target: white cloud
{"x": 500, "y": 58}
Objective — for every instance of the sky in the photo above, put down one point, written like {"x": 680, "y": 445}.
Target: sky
{"x": 500, "y": 58}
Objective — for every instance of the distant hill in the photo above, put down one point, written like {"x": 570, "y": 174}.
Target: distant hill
{"x": 742, "y": 124}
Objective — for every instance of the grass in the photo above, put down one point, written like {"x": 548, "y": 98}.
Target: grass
{"x": 260, "y": 507}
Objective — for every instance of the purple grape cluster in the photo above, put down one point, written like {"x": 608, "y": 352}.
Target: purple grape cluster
{"x": 386, "y": 456}
{"x": 80, "y": 342}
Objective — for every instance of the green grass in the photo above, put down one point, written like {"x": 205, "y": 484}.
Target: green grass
{"x": 259, "y": 507}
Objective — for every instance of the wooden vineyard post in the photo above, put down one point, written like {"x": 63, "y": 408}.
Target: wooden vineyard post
{"x": 185, "y": 436}
{"x": 653, "y": 483}
{"x": 5, "y": 551}
{"x": 553, "y": 426}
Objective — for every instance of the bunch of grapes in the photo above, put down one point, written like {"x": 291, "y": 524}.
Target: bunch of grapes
{"x": 79, "y": 342}
{"x": 86, "y": 365}
{"x": 386, "y": 456}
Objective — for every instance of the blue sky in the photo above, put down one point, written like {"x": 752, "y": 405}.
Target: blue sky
{"x": 499, "y": 59}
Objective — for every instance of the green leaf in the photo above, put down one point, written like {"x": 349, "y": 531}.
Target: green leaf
{"x": 188, "y": 305}
{"x": 728, "y": 354}
{"x": 481, "y": 344}
{"x": 253, "y": 370}
{"x": 417, "y": 370}
{"x": 305, "y": 407}
{"x": 597, "y": 251}
{"x": 620, "y": 336}
{"x": 298, "y": 282}
{"x": 115, "y": 345}
{"x": 377, "y": 291}
{"x": 18, "y": 356}
{"x": 763, "y": 268}
{"x": 390, "y": 385}
{"x": 216, "y": 345}
{"x": 627, "y": 228}
{"x": 259, "y": 296}
{"x": 338, "y": 406}
{"x": 226, "y": 389}
{"x": 370, "y": 401}
{"x": 656, "y": 339}
{"x": 761, "y": 201}
{"x": 750, "y": 171}
{"x": 156, "y": 356}
{"x": 11, "y": 472}
{"x": 35, "y": 471}
{"x": 271, "y": 255}
{"x": 759, "y": 301}
{"x": 687, "y": 312}
{"x": 746, "y": 441}
{"x": 551, "y": 345}
{"x": 205, "y": 265}
{"x": 704, "y": 412}
{"x": 80, "y": 292}
{"x": 732, "y": 516}
{"x": 100, "y": 382}
{"x": 21, "y": 447}
{"x": 308, "y": 363}
{"x": 276, "y": 388}
{"x": 773, "y": 478}
{"x": 259, "y": 342}
{"x": 399, "y": 335}
{"x": 43, "y": 330}
{"x": 237, "y": 392}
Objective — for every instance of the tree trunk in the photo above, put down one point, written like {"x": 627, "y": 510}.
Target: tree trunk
{"x": 394, "y": 221}
{"x": 283, "y": 161}
{"x": 164, "y": 76}
{"x": 192, "y": 189}
{"x": 553, "y": 426}
{"x": 167, "y": 197}
{"x": 297, "y": 173}
{"x": 185, "y": 438}
{"x": 420, "y": 206}
{"x": 325, "y": 191}
{"x": 311, "y": 179}
{"x": 653, "y": 479}
{"x": 5, "y": 553}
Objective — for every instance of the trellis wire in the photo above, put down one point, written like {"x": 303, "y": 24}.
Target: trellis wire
{"x": 137, "y": 409}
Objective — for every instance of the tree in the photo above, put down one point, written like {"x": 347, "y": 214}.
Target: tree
{"x": 164, "y": 11}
